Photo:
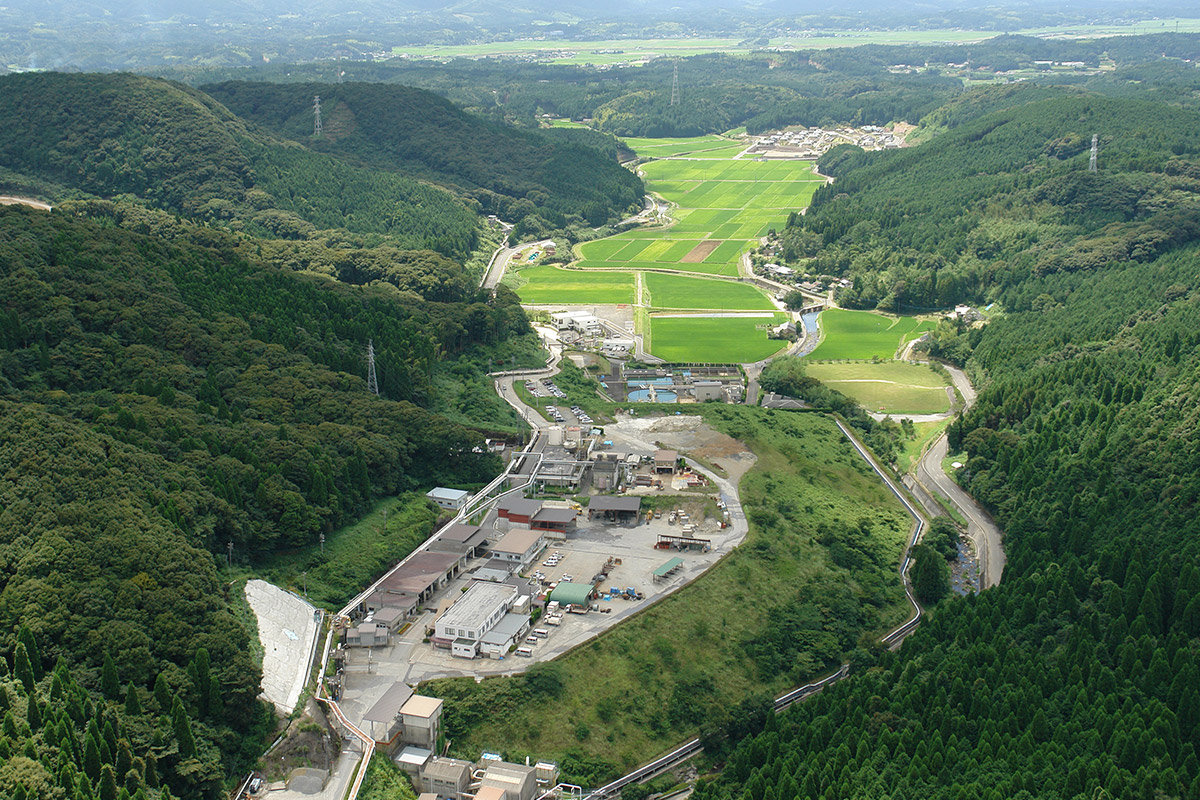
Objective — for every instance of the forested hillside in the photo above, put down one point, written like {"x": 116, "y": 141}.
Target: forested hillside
{"x": 512, "y": 173}
{"x": 1079, "y": 676}
{"x": 161, "y": 401}
{"x": 180, "y": 150}
{"x": 1004, "y": 196}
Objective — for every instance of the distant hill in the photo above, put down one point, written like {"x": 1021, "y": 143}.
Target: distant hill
{"x": 180, "y": 150}
{"x": 510, "y": 172}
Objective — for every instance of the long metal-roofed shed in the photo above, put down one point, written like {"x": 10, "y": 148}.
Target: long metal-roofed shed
{"x": 615, "y": 509}
{"x": 421, "y": 576}
{"x": 666, "y": 542}
{"x": 458, "y": 538}
{"x": 668, "y": 569}
{"x": 386, "y": 710}
{"x": 553, "y": 519}
{"x": 572, "y": 594}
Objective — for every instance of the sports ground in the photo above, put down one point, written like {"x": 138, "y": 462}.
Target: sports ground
{"x": 889, "y": 387}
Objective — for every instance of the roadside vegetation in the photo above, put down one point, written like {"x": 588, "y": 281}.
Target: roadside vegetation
{"x": 354, "y": 555}
{"x": 815, "y": 581}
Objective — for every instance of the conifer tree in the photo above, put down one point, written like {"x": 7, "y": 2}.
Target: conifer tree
{"x": 110, "y": 687}
{"x": 25, "y": 637}
{"x": 182, "y": 727}
{"x": 23, "y": 668}
{"x": 162, "y": 694}
{"x": 133, "y": 706}
{"x": 91, "y": 757}
{"x": 151, "y": 773}
{"x": 33, "y": 714}
{"x": 108, "y": 783}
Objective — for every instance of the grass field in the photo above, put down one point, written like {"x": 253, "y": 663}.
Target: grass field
{"x": 650, "y": 682}
{"x": 547, "y": 285}
{"x": 713, "y": 339}
{"x": 632, "y": 51}
{"x": 682, "y": 291}
{"x": 887, "y": 387}
{"x": 864, "y": 335}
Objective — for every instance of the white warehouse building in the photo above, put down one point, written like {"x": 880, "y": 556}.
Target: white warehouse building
{"x": 482, "y": 609}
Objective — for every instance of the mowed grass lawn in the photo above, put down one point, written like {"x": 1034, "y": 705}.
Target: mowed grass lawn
{"x": 682, "y": 291}
{"x": 888, "y": 387}
{"x": 548, "y": 285}
{"x": 861, "y": 335}
{"x": 726, "y": 340}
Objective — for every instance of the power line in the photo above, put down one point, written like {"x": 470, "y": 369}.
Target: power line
{"x": 372, "y": 380}
{"x": 1095, "y": 152}
{"x": 675, "y": 86}
{"x": 317, "y": 115}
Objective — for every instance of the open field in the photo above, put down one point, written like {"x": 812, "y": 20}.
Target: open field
{"x": 714, "y": 339}
{"x": 548, "y": 285}
{"x": 626, "y": 51}
{"x": 648, "y": 683}
{"x": 864, "y": 335}
{"x": 888, "y": 387}
{"x": 682, "y": 291}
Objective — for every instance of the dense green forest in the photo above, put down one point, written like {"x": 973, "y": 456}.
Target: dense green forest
{"x": 551, "y": 180}
{"x": 179, "y": 150}
{"x": 1079, "y": 676}
{"x": 162, "y": 400}
{"x": 1004, "y": 196}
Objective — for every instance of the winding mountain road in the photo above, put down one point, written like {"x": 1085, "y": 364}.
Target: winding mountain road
{"x": 929, "y": 478}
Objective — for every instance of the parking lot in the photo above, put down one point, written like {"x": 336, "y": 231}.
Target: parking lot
{"x": 547, "y": 388}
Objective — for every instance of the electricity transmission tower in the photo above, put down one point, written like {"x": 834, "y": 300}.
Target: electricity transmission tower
{"x": 675, "y": 87}
{"x": 1095, "y": 152}
{"x": 372, "y": 380}
{"x": 317, "y": 116}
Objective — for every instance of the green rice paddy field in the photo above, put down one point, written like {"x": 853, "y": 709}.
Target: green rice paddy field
{"x": 714, "y": 339}
{"x": 548, "y": 285}
{"x": 724, "y": 206}
{"x": 889, "y": 387}
{"x": 862, "y": 335}
{"x": 682, "y": 291}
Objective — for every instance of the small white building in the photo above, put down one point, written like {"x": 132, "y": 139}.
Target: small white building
{"x": 472, "y": 616}
{"x": 450, "y": 499}
{"x": 617, "y": 347}
{"x": 584, "y": 324}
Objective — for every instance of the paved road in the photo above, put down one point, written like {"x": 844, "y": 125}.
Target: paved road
{"x": 500, "y": 262}
{"x": 983, "y": 531}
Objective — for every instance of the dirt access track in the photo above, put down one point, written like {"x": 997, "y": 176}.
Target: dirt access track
{"x": 10, "y": 200}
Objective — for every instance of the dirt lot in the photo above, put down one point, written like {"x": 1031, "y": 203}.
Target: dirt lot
{"x": 701, "y": 251}
{"x": 689, "y": 435}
